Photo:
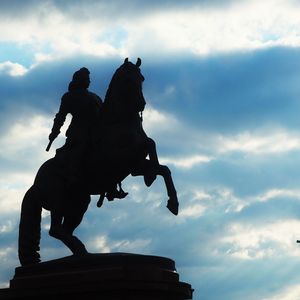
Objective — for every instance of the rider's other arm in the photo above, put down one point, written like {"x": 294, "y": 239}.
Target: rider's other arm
{"x": 60, "y": 118}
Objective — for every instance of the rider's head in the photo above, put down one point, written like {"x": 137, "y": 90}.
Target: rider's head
{"x": 81, "y": 79}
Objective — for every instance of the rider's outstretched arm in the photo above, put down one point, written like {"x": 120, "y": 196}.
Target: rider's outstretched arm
{"x": 59, "y": 120}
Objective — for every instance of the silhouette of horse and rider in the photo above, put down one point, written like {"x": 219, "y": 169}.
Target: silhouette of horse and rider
{"x": 105, "y": 143}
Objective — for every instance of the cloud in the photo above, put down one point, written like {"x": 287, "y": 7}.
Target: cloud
{"x": 27, "y": 132}
{"x": 135, "y": 29}
{"x": 13, "y": 69}
{"x": 279, "y": 193}
{"x": 287, "y": 293}
{"x": 193, "y": 211}
{"x": 185, "y": 162}
{"x": 271, "y": 240}
{"x": 274, "y": 142}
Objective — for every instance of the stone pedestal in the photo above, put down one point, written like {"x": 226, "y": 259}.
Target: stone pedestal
{"x": 112, "y": 276}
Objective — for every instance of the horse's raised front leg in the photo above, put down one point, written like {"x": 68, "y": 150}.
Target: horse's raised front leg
{"x": 165, "y": 172}
{"x": 173, "y": 203}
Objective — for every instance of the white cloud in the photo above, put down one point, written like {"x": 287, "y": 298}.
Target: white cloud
{"x": 28, "y": 133}
{"x": 10, "y": 200}
{"x": 5, "y": 253}
{"x": 101, "y": 244}
{"x": 24, "y": 138}
{"x": 137, "y": 245}
{"x": 192, "y": 211}
{"x": 7, "y": 227}
{"x": 12, "y": 69}
{"x": 291, "y": 292}
{"x": 244, "y": 241}
{"x": 156, "y": 121}
{"x": 282, "y": 193}
{"x": 272, "y": 142}
{"x": 21, "y": 155}
{"x": 186, "y": 162}
{"x": 245, "y": 25}
{"x": 207, "y": 202}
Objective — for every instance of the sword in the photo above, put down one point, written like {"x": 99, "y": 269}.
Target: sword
{"x": 49, "y": 145}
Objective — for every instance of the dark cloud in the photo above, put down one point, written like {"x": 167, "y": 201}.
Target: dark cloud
{"x": 248, "y": 175}
{"x": 230, "y": 93}
{"x": 109, "y": 11}
{"x": 225, "y": 93}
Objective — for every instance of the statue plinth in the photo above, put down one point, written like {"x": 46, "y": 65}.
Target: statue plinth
{"x": 112, "y": 276}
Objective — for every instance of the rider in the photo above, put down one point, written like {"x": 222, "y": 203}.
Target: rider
{"x": 84, "y": 106}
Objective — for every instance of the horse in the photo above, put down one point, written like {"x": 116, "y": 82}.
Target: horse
{"x": 122, "y": 149}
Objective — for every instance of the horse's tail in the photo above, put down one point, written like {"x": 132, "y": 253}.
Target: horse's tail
{"x": 30, "y": 228}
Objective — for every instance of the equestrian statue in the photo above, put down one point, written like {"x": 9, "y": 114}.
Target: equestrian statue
{"x": 105, "y": 143}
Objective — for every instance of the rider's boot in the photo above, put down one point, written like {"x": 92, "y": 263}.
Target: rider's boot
{"x": 115, "y": 193}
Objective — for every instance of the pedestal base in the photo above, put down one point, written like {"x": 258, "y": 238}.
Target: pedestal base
{"x": 112, "y": 276}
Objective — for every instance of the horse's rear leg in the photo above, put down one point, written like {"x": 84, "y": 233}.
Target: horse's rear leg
{"x": 30, "y": 228}
{"x": 62, "y": 227}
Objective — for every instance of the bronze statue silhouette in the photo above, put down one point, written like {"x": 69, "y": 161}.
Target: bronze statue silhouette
{"x": 116, "y": 148}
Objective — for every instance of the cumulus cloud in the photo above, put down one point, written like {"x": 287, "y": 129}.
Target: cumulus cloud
{"x": 271, "y": 240}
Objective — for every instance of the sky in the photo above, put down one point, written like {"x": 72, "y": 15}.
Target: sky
{"x": 223, "y": 103}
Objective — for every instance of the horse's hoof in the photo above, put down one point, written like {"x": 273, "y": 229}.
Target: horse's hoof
{"x": 81, "y": 251}
{"x": 173, "y": 206}
{"x": 30, "y": 261}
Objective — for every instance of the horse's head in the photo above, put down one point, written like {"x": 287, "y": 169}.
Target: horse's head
{"x": 131, "y": 71}
{"x": 125, "y": 89}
